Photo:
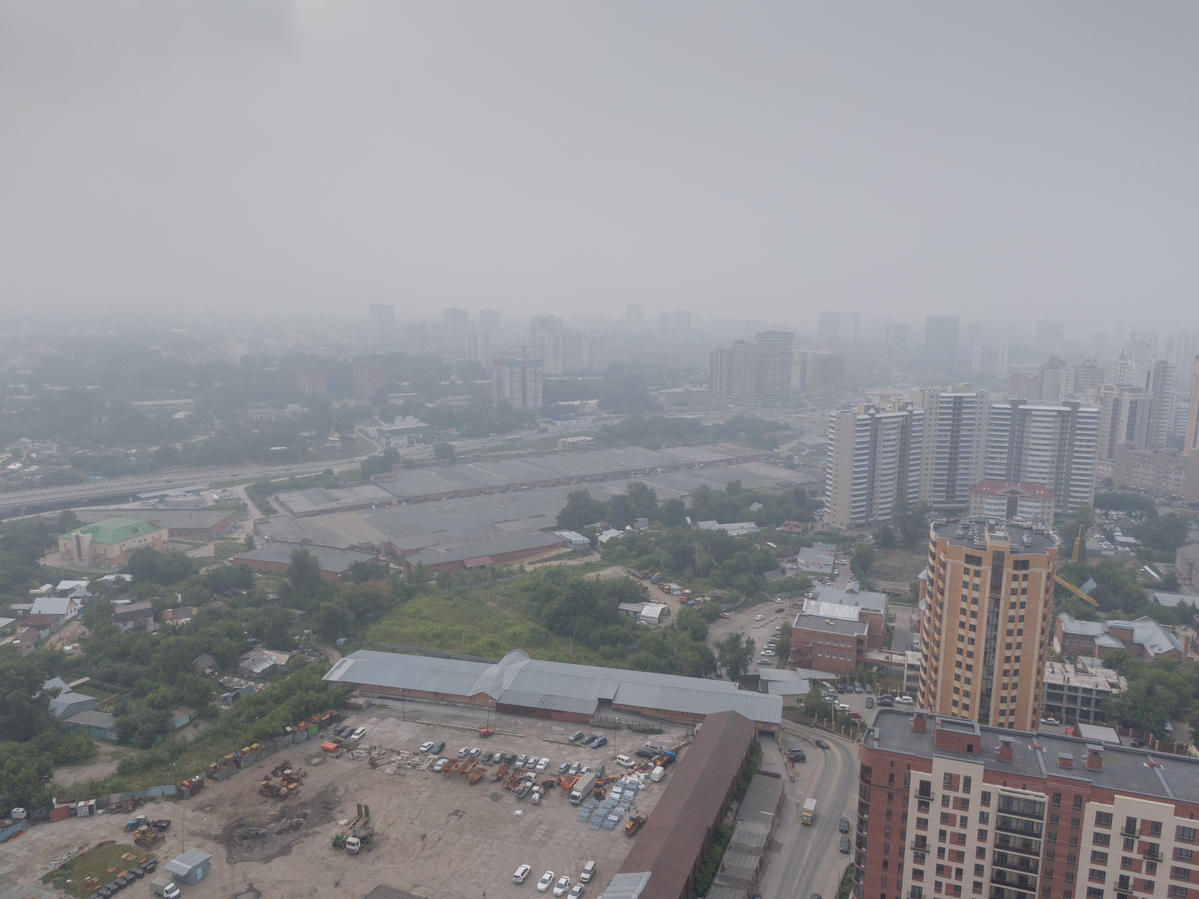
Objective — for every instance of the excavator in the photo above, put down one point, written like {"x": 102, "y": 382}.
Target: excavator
{"x": 1065, "y": 584}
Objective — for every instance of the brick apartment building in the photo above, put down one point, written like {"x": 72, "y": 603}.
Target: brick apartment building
{"x": 950, "y": 808}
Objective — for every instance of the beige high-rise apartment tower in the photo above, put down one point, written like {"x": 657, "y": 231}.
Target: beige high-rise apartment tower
{"x": 1192, "y": 442}
{"x": 985, "y": 622}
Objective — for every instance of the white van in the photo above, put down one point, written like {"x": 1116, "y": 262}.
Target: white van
{"x": 521, "y": 874}
{"x": 626, "y": 761}
{"x": 588, "y": 872}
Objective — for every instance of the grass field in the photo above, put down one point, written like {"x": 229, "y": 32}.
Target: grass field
{"x": 103, "y": 862}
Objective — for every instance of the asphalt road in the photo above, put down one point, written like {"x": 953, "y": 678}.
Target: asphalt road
{"x": 808, "y": 859}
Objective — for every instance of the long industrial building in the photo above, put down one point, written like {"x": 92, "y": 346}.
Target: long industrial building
{"x": 561, "y": 691}
{"x": 948, "y": 807}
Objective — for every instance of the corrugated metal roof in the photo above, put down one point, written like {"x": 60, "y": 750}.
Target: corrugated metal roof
{"x": 518, "y": 680}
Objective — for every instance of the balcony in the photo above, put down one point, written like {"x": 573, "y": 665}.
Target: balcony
{"x": 1016, "y": 862}
{"x": 1011, "y": 879}
{"x": 1005, "y": 824}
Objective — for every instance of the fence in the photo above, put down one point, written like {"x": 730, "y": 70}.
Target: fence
{"x": 11, "y": 831}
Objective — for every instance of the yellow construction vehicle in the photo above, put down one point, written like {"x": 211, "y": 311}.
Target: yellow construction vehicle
{"x": 1077, "y": 544}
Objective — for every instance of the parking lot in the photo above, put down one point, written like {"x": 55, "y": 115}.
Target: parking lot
{"x": 437, "y": 835}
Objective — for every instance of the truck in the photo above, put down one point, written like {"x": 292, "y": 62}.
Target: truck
{"x": 582, "y": 789}
{"x": 162, "y": 886}
{"x": 808, "y": 815}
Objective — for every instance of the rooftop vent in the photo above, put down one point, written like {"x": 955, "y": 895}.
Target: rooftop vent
{"x": 1094, "y": 758}
{"x": 1065, "y": 760}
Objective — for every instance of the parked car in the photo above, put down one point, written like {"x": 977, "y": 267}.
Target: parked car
{"x": 577, "y": 890}
{"x": 599, "y": 741}
{"x": 625, "y": 761}
{"x": 358, "y": 734}
{"x": 845, "y": 845}
{"x": 562, "y": 886}
{"x": 426, "y": 746}
{"x": 520, "y": 760}
{"x": 546, "y": 879}
{"x": 521, "y": 874}
{"x": 439, "y": 765}
{"x": 576, "y": 736}
{"x": 844, "y": 825}
{"x": 903, "y": 700}
{"x": 574, "y": 769}
{"x": 542, "y": 764}
{"x": 462, "y": 751}
{"x": 564, "y": 767}
{"x": 869, "y": 702}
{"x": 759, "y": 617}
{"x": 588, "y": 872}
{"x": 438, "y": 747}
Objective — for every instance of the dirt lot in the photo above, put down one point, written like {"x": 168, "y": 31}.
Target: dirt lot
{"x": 438, "y": 836}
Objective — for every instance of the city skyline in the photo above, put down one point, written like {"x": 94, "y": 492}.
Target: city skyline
{"x": 791, "y": 157}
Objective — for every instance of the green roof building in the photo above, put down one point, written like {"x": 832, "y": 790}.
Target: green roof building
{"x": 108, "y": 543}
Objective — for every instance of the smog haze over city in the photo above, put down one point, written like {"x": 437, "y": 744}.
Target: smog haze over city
{"x": 995, "y": 161}
{"x": 677, "y": 420}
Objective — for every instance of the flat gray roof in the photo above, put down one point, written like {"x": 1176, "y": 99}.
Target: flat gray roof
{"x": 863, "y": 599}
{"x": 841, "y": 626}
{"x": 329, "y": 558}
{"x": 492, "y": 547}
{"x": 519, "y": 680}
{"x": 1124, "y": 770}
{"x": 968, "y": 532}
{"x": 167, "y": 518}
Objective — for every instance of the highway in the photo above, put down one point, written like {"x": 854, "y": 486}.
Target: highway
{"x": 809, "y": 859}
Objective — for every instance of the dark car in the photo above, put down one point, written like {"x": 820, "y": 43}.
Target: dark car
{"x": 590, "y": 741}
{"x": 599, "y": 741}
{"x": 821, "y": 744}
{"x": 796, "y": 755}
{"x": 437, "y": 749}
{"x": 844, "y": 825}
{"x": 576, "y": 736}
{"x": 845, "y": 845}
{"x": 149, "y": 866}
{"x": 139, "y": 871}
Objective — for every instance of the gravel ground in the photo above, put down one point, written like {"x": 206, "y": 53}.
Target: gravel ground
{"x": 438, "y": 836}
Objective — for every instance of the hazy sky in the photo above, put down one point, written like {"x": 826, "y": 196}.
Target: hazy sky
{"x": 747, "y": 159}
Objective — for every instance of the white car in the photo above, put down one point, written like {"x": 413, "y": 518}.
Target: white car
{"x": 543, "y": 764}
{"x": 521, "y": 874}
{"x": 903, "y": 700}
{"x": 546, "y": 879}
{"x": 562, "y": 886}
{"x": 759, "y": 617}
{"x": 426, "y": 746}
{"x": 577, "y": 890}
{"x": 358, "y": 734}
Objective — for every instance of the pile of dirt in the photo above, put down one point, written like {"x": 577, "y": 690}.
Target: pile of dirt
{"x": 267, "y": 837}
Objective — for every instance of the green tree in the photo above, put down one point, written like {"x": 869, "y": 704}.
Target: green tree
{"x": 445, "y": 452}
{"x": 735, "y": 652}
{"x": 580, "y": 510}
{"x": 304, "y": 576}
{"x": 67, "y": 521}
{"x": 672, "y": 513}
{"x": 861, "y": 560}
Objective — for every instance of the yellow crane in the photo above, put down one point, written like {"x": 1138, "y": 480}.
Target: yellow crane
{"x": 1058, "y": 579}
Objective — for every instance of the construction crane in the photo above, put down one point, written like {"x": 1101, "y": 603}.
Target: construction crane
{"x": 1077, "y": 544}
{"x": 1058, "y": 579}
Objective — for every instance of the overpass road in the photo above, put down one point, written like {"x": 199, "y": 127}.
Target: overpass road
{"x": 809, "y": 859}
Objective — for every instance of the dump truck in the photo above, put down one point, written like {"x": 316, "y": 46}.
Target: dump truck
{"x": 808, "y": 815}
{"x": 582, "y": 789}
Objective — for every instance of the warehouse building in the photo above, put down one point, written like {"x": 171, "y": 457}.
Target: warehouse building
{"x": 484, "y": 553}
{"x": 671, "y": 846}
{"x": 275, "y": 557}
{"x": 109, "y": 542}
{"x": 560, "y": 691}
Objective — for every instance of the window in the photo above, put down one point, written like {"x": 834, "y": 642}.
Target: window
{"x": 1103, "y": 819}
{"x": 966, "y": 781}
{"x": 1182, "y": 855}
{"x": 1155, "y": 828}
{"x": 1186, "y": 834}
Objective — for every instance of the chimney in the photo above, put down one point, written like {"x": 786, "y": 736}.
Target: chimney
{"x": 1065, "y": 760}
{"x": 1005, "y": 749}
{"x": 1094, "y": 758}
{"x": 920, "y": 723}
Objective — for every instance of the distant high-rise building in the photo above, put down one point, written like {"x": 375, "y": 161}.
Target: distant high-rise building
{"x": 1191, "y": 446}
{"x": 519, "y": 382}
{"x": 989, "y": 358}
{"x": 490, "y": 322}
{"x": 1123, "y": 419}
{"x": 985, "y": 621}
{"x": 736, "y": 370}
{"x": 1085, "y": 378}
{"x": 454, "y": 328}
{"x": 1024, "y": 385}
{"x": 1053, "y": 385}
{"x": 416, "y": 337}
{"x": 829, "y": 327}
{"x": 597, "y": 353}
{"x": 1050, "y": 336}
{"x": 1161, "y": 404}
{"x": 382, "y": 320}
{"x": 478, "y": 349}
{"x": 1052, "y": 444}
{"x": 674, "y": 327}
{"x": 634, "y": 318}
{"x": 954, "y": 435}
{"x": 773, "y": 349}
{"x": 817, "y": 371}
{"x": 368, "y": 379}
{"x": 310, "y": 381}
{"x": 874, "y": 458}
{"x": 941, "y": 340}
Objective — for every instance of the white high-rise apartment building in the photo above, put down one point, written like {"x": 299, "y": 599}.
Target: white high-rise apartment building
{"x": 874, "y": 460}
{"x": 1052, "y": 444}
{"x": 954, "y": 436}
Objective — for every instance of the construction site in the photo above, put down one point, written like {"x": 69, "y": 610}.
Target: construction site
{"x": 345, "y": 814}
